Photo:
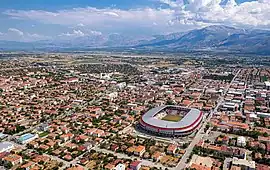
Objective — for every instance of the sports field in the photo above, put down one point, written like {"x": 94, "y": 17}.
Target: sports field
{"x": 172, "y": 118}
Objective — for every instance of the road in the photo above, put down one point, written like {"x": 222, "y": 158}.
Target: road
{"x": 65, "y": 163}
{"x": 200, "y": 134}
{"x": 124, "y": 156}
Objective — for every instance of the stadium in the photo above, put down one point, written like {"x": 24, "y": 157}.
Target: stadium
{"x": 171, "y": 121}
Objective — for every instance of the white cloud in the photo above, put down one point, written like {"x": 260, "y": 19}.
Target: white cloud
{"x": 80, "y": 25}
{"x": 75, "y": 33}
{"x": 36, "y": 37}
{"x": 14, "y": 34}
{"x": 102, "y": 19}
{"x": 80, "y": 33}
{"x": 16, "y": 31}
{"x": 173, "y": 3}
{"x": 109, "y": 13}
{"x": 181, "y": 15}
{"x": 264, "y": 1}
{"x": 95, "y": 33}
{"x": 249, "y": 14}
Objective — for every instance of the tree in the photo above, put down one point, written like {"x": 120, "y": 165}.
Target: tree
{"x": 265, "y": 134}
{"x": 169, "y": 102}
{"x": 61, "y": 164}
{"x": 9, "y": 165}
{"x": 185, "y": 145}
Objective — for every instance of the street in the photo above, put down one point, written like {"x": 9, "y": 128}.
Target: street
{"x": 182, "y": 163}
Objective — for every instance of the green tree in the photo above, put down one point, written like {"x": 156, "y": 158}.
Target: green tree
{"x": 9, "y": 165}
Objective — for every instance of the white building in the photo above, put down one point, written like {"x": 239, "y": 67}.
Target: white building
{"x": 113, "y": 95}
{"x": 262, "y": 114}
{"x": 244, "y": 164}
{"x": 6, "y": 147}
{"x": 105, "y": 76}
{"x": 121, "y": 85}
{"x": 241, "y": 141}
{"x": 120, "y": 167}
{"x": 230, "y": 106}
{"x": 2, "y": 136}
{"x": 267, "y": 85}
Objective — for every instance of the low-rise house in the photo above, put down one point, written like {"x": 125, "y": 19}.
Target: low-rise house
{"x": 262, "y": 167}
{"x": 44, "y": 147}
{"x": 68, "y": 157}
{"x": 109, "y": 167}
{"x": 135, "y": 165}
{"x": 33, "y": 144}
{"x": 28, "y": 165}
{"x": 41, "y": 158}
{"x": 98, "y": 133}
{"x": 13, "y": 159}
{"x": 139, "y": 150}
{"x": 114, "y": 147}
{"x": 199, "y": 167}
{"x": 171, "y": 149}
{"x": 156, "y": 156}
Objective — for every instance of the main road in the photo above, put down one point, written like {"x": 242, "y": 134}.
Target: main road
{"x": 200, "y": 134}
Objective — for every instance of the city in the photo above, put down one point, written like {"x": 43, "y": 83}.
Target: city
{"x": 88, "y": 111}
{"x": 135, "y": 85}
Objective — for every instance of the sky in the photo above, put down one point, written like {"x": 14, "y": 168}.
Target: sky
{"x": 35, "y": 20}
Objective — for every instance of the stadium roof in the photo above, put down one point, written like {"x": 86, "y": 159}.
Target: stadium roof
{"x": 187, "y": 120}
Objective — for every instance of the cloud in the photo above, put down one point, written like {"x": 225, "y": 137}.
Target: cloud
{"x": 36, "y": 37}
{"x": 95, "y": 33}
{"x": 80, "y": 25}
{"x": 178, "y": 15}
{"x": 106, "y": 19}
{"x": 14, "y": 34}
{"x": 16, "y": 31}
{"x": 173, "y": 3}
{"x": 75, "y": 33}
{"x": 264, "y": 1}
{"x": 79, "y": 33}
{"x": 247, "y": 14}
{"x": 113, "y": 14}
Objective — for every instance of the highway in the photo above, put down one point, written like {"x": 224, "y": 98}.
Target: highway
{"x": 200, "y": 134}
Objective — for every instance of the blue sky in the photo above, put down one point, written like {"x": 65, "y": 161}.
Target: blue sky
{"x": 68, "y": 19}
{"x": 59, "y": 4}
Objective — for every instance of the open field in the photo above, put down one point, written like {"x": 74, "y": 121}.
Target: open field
{"x": 172, "y": 118}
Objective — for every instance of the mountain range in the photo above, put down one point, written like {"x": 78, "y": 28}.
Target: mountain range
{"x": 212, "y": 38}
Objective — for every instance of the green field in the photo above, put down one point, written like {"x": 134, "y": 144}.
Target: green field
{"x": 172, "y": 118}
{"x": 43, "y": 134}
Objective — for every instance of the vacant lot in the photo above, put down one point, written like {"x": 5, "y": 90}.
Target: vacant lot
{"x": 172, "y": 118}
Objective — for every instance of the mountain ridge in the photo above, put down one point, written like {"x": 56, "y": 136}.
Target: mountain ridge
{"x": 218, "y": 38}
{"x": 211, "y": 38}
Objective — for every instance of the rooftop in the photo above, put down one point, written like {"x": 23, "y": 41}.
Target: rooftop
{"x": 5, "y": 145}
{"x": 244, "y": 162}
